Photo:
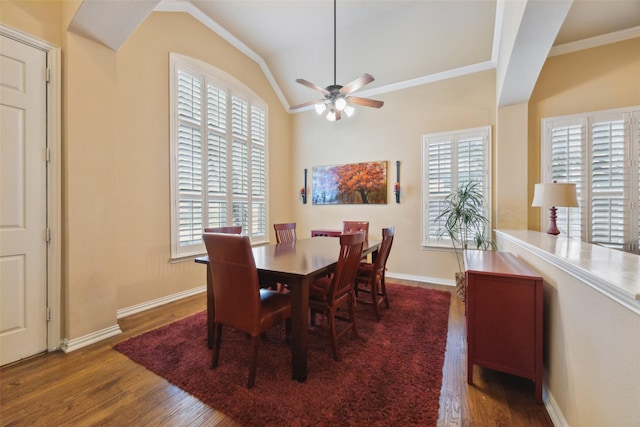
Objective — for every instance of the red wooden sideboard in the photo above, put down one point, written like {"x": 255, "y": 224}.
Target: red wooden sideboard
{"x": 504, "y": 316}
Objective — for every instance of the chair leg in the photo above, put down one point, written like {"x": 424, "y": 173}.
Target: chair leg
{"x": 253, "y": 359}
{"x": 384, "y": 291}
{"x": 217, "y": 338}
{"x": 352, "y": 314}
{"x": 333, "y": 336}
{"x": 374, "y": 299}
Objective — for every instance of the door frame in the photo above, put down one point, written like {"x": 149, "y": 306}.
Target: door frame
{"x": 54, "y": 182}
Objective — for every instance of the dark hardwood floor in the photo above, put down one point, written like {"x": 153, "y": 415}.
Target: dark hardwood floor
{"x": 97, "y": 385}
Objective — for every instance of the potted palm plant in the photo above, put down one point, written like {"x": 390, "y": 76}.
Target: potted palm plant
{"x": 463, "y": 221}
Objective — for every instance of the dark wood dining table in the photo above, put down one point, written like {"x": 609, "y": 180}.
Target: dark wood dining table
{"x": 296, "y": 264}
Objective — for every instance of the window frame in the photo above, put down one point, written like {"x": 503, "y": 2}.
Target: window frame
{"x": 455, "y": 136}
{"x": 234, "y": 90}
{"x": 583, "y": 215}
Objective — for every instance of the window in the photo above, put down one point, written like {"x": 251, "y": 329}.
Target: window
{"x": 218, "y": 156}
{"x": 449, "y": 160}
{"x": 600, "y": 153}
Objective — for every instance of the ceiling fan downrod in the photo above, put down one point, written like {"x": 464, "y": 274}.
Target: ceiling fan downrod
{"x": 334, "y": 43}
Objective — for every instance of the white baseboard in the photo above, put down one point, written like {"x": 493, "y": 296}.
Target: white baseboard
{"x": 424, "y": 279}
{"x": 71, "y": 345}
{"x": 553, "y": 410}
{"x": 124, "y": 312}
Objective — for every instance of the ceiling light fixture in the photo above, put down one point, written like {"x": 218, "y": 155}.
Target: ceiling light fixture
{"x": 336, "y": 97}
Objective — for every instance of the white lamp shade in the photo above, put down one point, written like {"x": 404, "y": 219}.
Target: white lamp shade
{"x": 555, "y": 195}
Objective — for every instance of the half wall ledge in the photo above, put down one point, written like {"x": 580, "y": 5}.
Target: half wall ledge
{"x": 614, "y": 273}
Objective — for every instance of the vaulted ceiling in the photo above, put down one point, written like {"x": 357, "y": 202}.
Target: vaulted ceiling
{"x": 401, "y": 43}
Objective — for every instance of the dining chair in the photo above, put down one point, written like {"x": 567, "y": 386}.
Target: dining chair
{"x": 232, "y": 229}
{"x": 285, "y": 232}
{"x": 349, "y": 227}
{"x": 370, "y": 276}
{"x": 327, "y": 294}
{"x": 240, "y": 303}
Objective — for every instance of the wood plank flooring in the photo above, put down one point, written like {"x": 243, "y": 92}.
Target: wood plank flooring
{"x": 97, "y": 385}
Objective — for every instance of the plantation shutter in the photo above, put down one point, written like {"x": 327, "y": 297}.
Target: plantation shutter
{"x": 609, "y": 184}
{"x": 636, "y": 208}
{"x": 219, "y": 158}
{"x": 190, "y": 180}
{"x": 240, "y": 162}
{"x": 258, "y": 172}
{"x": 449, "y": 160}
{"x": 567, "y": 166}
{"x": 600, "y": 154}
{"x": 439, "y": 181}
{"x": 471, "y": 166}
{"x": 216, "y": 156}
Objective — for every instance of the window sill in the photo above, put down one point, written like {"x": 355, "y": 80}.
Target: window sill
{"x": 436, "y": 247}
{"x": 614, "y": 273}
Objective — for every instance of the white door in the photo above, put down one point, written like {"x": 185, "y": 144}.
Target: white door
{"x": 23, "y": 208}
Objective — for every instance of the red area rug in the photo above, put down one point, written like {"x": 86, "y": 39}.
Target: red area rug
{"x": 390, "y": 375}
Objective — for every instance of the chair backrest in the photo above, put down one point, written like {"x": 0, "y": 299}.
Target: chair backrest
{"x": 235, "y": 281}
{"x": 347, "y": 266}
{"x": 383, "y": 253}
{"x": 232, "y": 229}
{"x": 285, "y": 232}
{"x": 349, "y": 227}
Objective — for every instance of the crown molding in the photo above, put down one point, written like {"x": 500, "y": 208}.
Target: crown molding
{"x": 187, "y": 7}
{"x": 591, "y": 42}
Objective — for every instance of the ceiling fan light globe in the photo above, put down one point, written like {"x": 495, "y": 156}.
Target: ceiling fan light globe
{"x": 331, "y": 116}
{"x": 349, "y": 110}
{"x": 340, "y": 103}
{"x": 320, "y": 108}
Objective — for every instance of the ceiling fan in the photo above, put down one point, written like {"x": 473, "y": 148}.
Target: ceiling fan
{"x": 337, "y": 98}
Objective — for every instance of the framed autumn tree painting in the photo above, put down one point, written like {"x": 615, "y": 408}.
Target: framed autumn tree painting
{"x": 354, "y": 183}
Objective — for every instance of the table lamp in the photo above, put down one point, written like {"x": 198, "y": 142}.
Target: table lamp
{"x": 555, "y": 195}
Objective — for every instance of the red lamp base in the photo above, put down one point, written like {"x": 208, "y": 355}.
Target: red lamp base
{"x": 553, "y": 228}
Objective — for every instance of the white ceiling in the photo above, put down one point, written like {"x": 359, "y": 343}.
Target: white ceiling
{"x": 394, "y": 41}
{"x": 397, "y": 41}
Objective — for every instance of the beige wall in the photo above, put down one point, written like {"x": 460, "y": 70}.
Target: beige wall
{"x": 116, "y": 208}
{"x": 391, "y": 133}
{"x": 142, "y": 169}
{"x": 591, "y": 348}
{"x": 595, "y": 79}
{"x": 591, "y": 363}
{"x": 89, "y": 179}
{"x": 510, "y": 168}
{"x": 38, "y": 18}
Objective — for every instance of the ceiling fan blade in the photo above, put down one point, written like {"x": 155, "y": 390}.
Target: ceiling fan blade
{"x": 357, "y": 84}
{"x": 306, "y": 104}
{"x": 313, "y": 86}
{"x": 365, "y": 102}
